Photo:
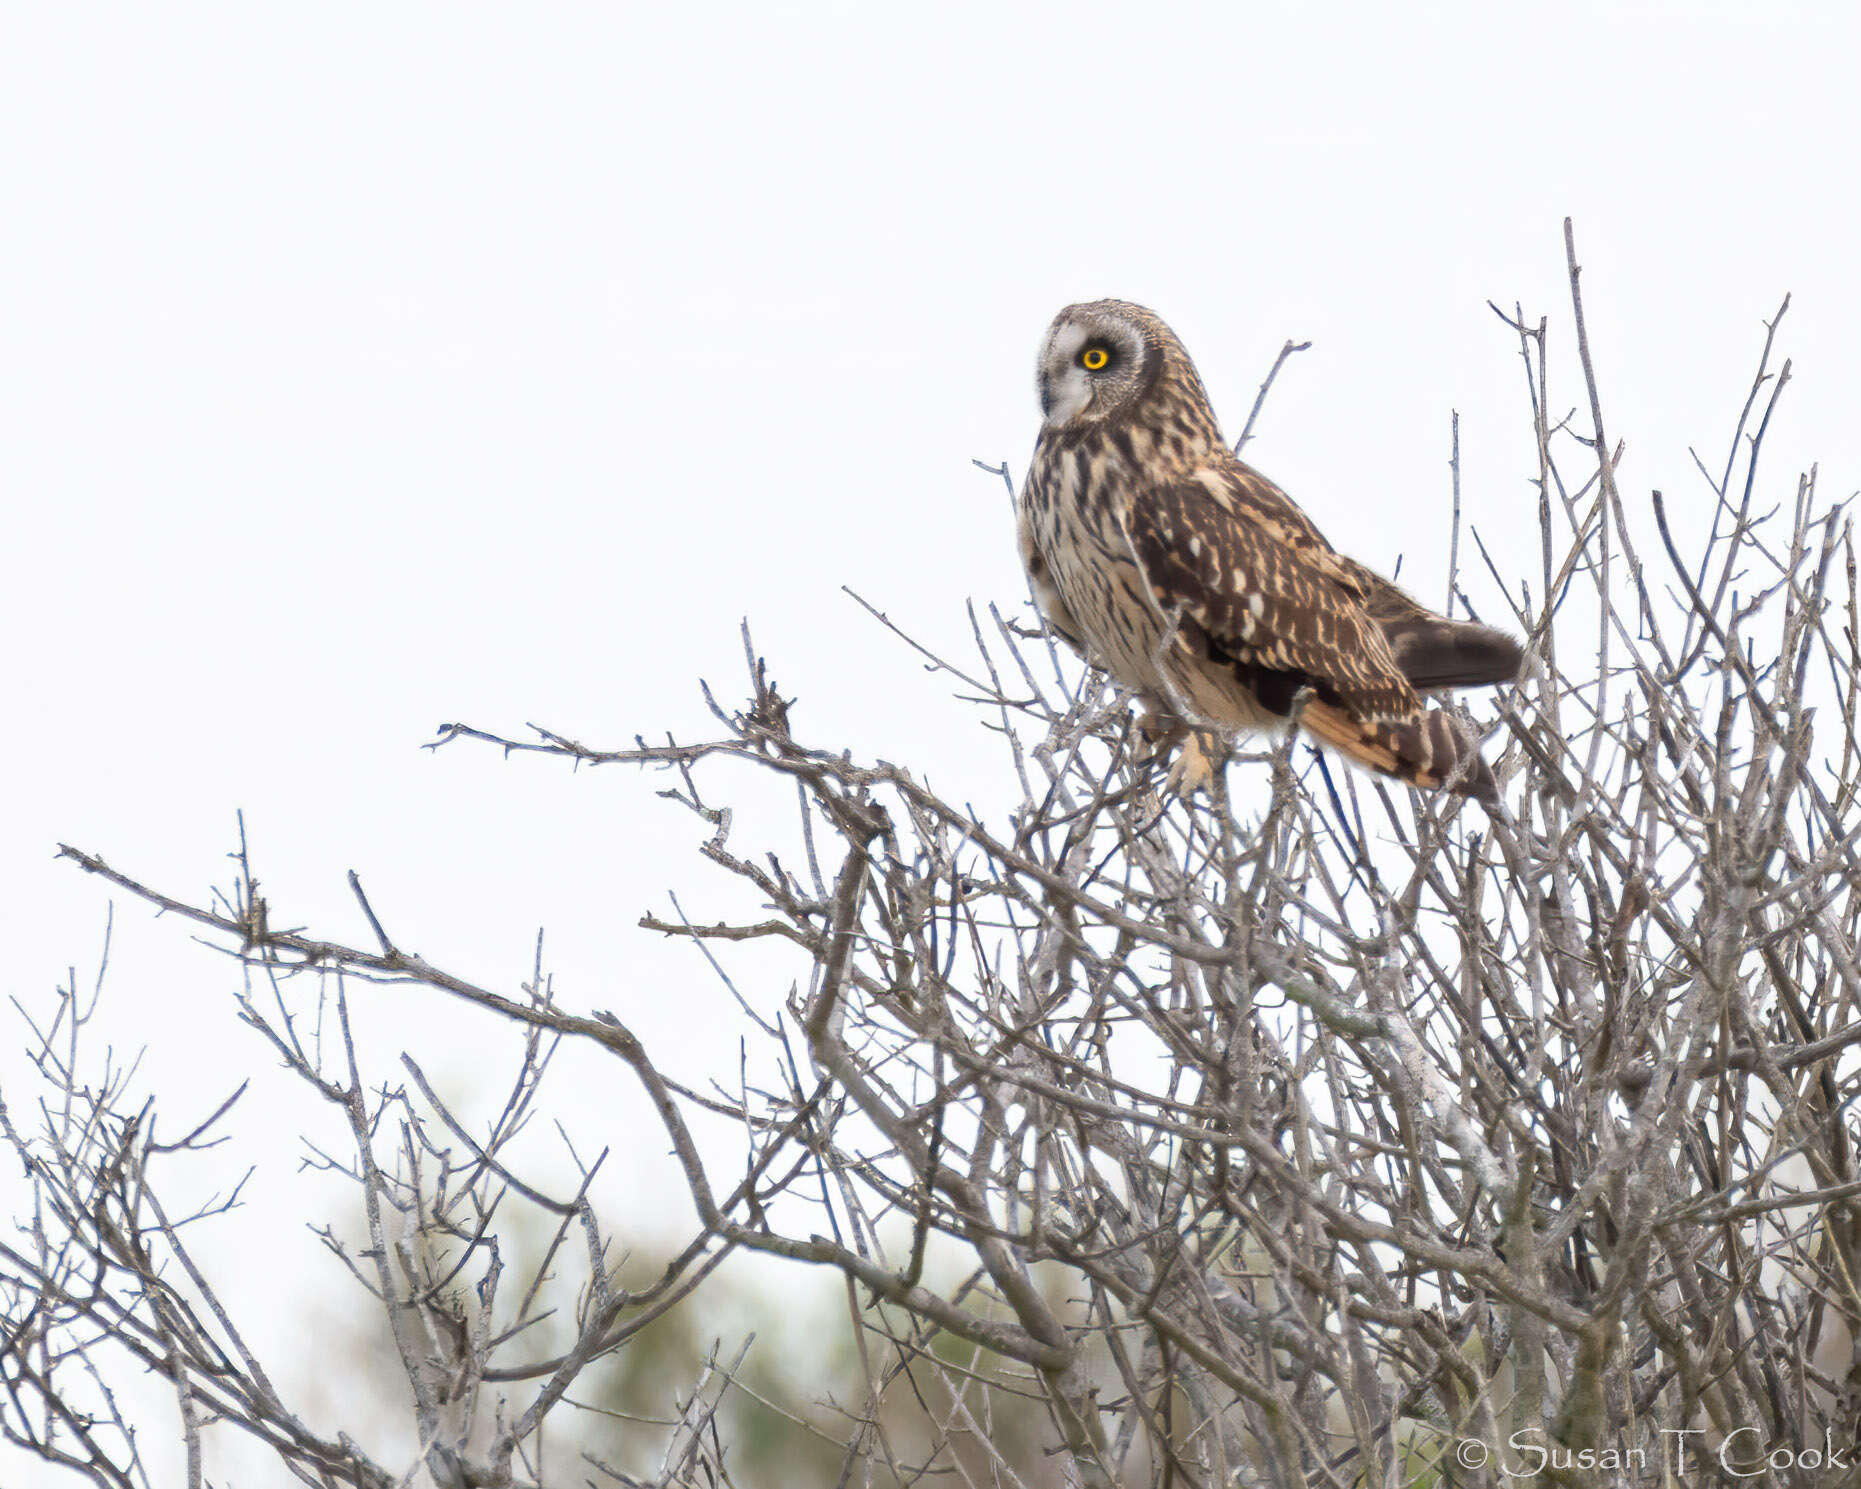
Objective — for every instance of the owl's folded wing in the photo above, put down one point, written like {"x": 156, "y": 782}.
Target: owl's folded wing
{"x": 1270, "y": 597}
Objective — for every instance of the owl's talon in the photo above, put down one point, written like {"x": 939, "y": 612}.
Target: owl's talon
{"x": 1198, "y": 765}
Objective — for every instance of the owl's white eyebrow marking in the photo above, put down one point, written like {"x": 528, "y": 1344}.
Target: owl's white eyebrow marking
{"x": 1066, "y": 385}
{"x": 1065, "y": 341}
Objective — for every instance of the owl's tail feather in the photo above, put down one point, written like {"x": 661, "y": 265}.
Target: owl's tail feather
{"x": 1432, "y": 752}
{"x": 1434, "y": 652}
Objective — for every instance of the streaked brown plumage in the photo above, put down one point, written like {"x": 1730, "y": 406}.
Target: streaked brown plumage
{"x": 1196, "y": 582}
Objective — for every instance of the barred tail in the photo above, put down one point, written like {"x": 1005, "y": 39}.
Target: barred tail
{"x": 1432, "y": 752}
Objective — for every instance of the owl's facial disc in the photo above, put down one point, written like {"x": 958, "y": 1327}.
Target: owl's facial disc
{"x": 1085, "y": 368}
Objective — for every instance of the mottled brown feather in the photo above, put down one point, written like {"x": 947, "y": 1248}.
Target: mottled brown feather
{"x": 1265, "y": 598}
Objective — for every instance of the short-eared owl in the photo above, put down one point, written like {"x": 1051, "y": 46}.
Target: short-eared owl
{"x": 1195, "y": 581}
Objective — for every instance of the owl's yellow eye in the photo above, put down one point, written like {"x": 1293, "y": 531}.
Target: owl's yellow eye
{"x": 1094, "y": 358}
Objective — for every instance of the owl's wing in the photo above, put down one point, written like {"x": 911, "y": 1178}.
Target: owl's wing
{"x": 1227, "y": 550}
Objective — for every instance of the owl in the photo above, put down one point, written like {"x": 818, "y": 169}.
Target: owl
{"x": 1196, "y": 583}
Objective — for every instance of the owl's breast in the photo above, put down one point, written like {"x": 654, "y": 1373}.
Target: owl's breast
{"x": 1076, "y": 505}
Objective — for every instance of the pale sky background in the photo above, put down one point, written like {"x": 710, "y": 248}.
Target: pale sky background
{"x": 368, "y": 367}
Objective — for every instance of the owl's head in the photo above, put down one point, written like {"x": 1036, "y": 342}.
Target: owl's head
{"x": 1110, "y": 359}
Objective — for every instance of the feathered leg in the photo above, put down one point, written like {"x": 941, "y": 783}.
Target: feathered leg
{"x": 1200, "y": 755}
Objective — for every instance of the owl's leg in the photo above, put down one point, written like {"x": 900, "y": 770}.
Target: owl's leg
{"x": 1200, "y": 755}
{"x": 1198, "y": 764}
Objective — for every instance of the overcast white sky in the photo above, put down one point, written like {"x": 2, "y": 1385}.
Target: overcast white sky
{"x": 373, "y": 366}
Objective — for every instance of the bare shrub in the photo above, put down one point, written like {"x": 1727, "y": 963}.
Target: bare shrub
{"x": 1337, "y": 1135}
